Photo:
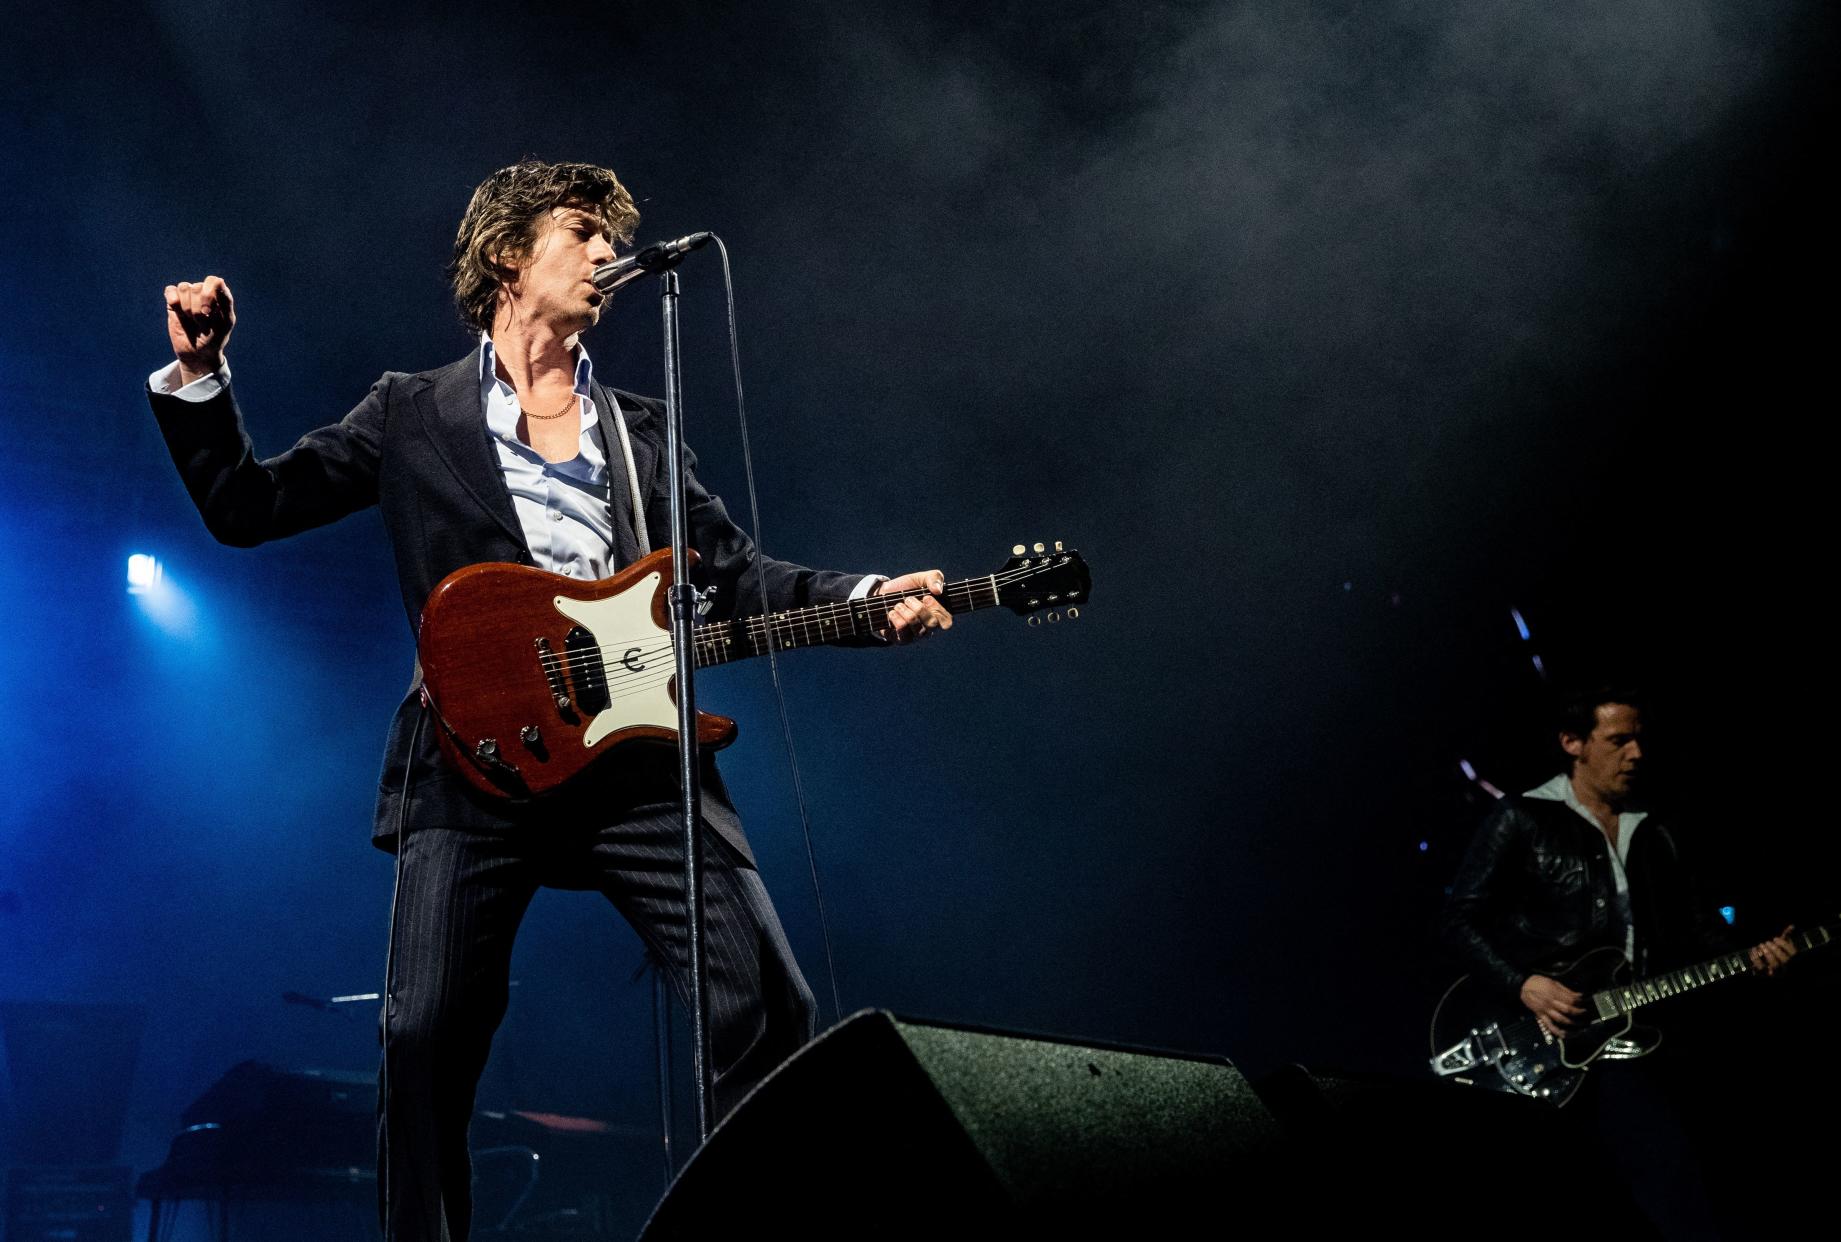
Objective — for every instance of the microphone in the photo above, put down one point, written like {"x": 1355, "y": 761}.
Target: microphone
{"x": 658, "y": 257}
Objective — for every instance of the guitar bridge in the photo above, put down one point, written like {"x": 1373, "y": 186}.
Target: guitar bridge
{"x": 1473, "y": 1050}
{"x": 553, "y": 674}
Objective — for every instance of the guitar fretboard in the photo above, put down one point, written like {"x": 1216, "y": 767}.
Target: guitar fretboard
{"x": 1631, "y": 996}
{"x": 726, "y": 641}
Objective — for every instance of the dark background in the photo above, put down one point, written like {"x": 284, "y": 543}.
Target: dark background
{"x": 1329, "y": 335}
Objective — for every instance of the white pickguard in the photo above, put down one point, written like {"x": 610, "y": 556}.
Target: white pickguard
{"x": 636, "y": 655}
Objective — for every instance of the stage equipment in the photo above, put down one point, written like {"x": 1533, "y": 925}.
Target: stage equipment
{"x": 144, "y": 573}
{"x": 890, "y": 1127}
{"x": 659, "y": 257}
{"x": 72, "y": 1069}
{"x": 83, "y": 1204}
{"x": 294, "y": 1151}
{"x": 262, "y": 1134}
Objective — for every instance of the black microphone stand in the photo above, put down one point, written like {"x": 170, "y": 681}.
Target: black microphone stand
{"x": 662, "y": 259}
{"x": 683, "y": 614}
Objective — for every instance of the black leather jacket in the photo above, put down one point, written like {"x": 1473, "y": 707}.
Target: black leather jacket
{"x": 1535, "y": 891}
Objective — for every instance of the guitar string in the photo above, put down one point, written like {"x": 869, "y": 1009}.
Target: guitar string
{"x": 622, "y": 682}
{"x": 1632, "y": 996}
{"x": 716, "y": 640}
{"x": 755, "y": 627}
{"x": 963, "y": 591}
{"x": 753, "y": 634}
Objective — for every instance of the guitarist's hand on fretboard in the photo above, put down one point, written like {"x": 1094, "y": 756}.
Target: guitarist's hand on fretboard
{"x": 1774, "y": 954}
{"x": 1553, "y": 1004}
{"x": 917, "y": 615}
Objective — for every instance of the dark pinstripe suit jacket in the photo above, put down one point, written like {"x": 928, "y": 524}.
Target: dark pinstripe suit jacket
{"x": 418, "y": 447}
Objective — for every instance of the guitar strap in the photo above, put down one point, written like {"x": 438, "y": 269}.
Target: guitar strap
{"x": 614, "y": 432}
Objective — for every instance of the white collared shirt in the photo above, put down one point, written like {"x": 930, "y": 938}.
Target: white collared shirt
{"x": 561, "y": 506}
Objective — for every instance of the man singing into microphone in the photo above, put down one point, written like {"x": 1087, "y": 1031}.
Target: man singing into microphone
{"x": 514, "y": 453}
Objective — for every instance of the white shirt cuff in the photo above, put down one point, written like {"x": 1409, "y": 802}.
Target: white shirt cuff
{"x": 867, "y": 584}
{"x": 166, "y": 382}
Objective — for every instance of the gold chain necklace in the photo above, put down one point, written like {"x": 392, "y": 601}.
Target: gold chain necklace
{"x": 574, "y": 400}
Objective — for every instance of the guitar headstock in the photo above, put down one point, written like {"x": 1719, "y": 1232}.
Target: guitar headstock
{"x": 1043, "y": 579}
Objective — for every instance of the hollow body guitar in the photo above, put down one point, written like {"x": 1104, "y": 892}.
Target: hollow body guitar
{"x": 534, "y": 678}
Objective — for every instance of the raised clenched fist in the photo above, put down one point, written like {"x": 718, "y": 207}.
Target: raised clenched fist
{"x": 199, "y": 318}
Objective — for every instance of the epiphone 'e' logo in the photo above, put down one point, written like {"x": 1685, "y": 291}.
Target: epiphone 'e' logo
{"x": 631, "y": 660}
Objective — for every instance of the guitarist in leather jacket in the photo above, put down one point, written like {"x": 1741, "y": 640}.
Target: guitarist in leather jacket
{"x": 1571, "y": 866}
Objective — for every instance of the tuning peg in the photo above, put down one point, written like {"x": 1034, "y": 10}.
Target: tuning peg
{"x": 1040, "y": 548}
{"x": 1034, "y": 619}
{"x": 1018, "y": 550}
{"x": 1073, "y": 614}
{"x": 1058, "y": 546}
{"x": 1054, "y": 615}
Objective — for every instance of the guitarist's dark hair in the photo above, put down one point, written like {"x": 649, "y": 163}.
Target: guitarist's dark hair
{"x": 1577, "y": 710}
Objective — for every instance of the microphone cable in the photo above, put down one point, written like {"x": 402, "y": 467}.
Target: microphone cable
{"x": 773, "y": 659}
{"x": 385, "y": 1189}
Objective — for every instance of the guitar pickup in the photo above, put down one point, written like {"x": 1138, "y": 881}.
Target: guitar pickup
{"x": 587, "y": 676}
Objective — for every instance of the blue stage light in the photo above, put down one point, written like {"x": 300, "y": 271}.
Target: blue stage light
{"x": 144, "y": 573}
{"x": 1424, "y": 846}
{"x": 1521, "y": 626}
{"x": 1728, "y": 913}
{"x": 160, "y": 599}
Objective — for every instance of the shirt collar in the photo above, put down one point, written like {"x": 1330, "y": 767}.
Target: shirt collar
{"x": 489, "y": 374}
{"x": 1560, "y": 789}
{"x": 501, "y": 403}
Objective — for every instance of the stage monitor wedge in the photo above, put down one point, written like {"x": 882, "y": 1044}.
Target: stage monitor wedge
{"x": 904, "y": 1128}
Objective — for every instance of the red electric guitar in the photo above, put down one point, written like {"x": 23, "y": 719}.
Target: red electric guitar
{"x": 534, "y": 677}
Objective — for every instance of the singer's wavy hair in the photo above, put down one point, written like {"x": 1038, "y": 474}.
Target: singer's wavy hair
{"x": 506, "y": 214}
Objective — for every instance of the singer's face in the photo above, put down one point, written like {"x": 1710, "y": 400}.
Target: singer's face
{"x": 556, "y": 284}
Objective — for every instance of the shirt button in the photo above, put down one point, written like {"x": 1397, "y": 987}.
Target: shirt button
{"x": 1599, "y": 902}
{"x": 556, "y": 515}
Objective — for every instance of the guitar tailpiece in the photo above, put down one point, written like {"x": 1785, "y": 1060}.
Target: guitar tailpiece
{"x": 1465, "y": 1055}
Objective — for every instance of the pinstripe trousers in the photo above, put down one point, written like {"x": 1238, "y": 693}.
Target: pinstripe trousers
{"x": 461, "y": 896}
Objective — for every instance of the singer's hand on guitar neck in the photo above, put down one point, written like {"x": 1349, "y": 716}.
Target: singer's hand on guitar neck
{"x": 199, "y": 319}
{"x": 914, "y": 619}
